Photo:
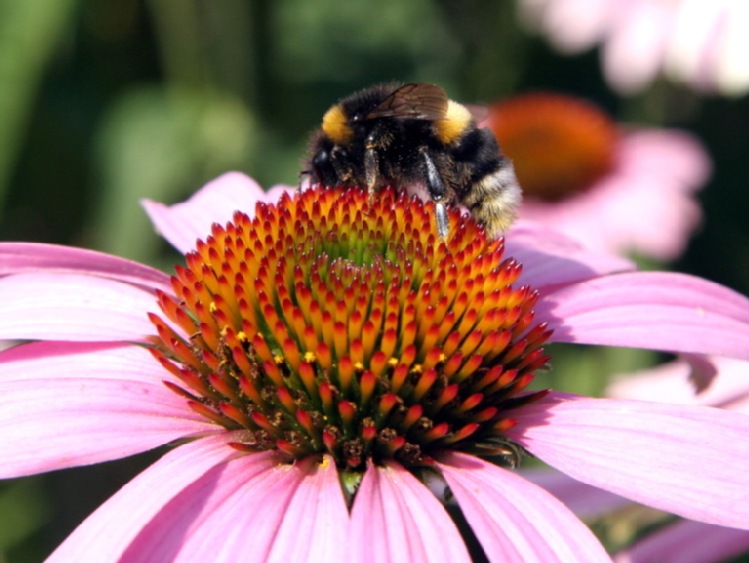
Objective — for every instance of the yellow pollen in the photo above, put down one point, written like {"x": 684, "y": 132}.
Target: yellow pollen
{"x": 212, "y": 307}
{"x": 310, "y": 357}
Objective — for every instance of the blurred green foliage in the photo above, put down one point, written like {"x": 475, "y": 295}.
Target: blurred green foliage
{"x": 103, "y": 103}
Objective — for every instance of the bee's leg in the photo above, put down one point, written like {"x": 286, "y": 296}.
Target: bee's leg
{"x": 370, "y": 162}
{"x": 338, "y": 160}
{"x": 437, "y": 190}
{"x": 443, "y": 226}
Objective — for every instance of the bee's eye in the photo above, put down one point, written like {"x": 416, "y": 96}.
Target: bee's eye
{"x": 324, "y": 168}
{"x": 338, "y": 153}
{"x": 321, "y": 159}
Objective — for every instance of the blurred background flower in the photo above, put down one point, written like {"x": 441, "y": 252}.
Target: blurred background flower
{"x": 702, "y": 43}
{"x": 104, "y": 103}
{"x": 613, "y": 188}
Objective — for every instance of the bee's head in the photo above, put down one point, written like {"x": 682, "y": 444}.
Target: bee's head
{"x": 320, "y": 166}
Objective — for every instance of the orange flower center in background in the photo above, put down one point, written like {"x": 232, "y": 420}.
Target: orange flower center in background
{"x": 559, "y": 145}
{"x": 329, "y": 323}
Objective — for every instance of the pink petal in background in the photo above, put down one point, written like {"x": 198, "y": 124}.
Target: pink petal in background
{"x": 687, "y": 542}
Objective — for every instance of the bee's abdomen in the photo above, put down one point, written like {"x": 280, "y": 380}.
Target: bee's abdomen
{"x": 490, "y": 190}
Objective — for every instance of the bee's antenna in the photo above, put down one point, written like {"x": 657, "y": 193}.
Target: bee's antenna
{"x": 303, "y": 175}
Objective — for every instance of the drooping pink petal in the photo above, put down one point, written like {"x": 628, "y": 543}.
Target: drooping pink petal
{"x": 514, "y": 519}
{"x": 652, "y": 310}
{"x": 49, "y": 306}
{"x": 69, "y": 404}
{"x": 687, "y": 542}
{"x": 241, "y": 510}
{"x": 183, "y": 223}
{"x": 316, "y": 524}
{"x": 396, "y": 518}
{"x": 691, "y": 380}
{"x": 19, "y": 258}
{"x": 189, "y": 473}
{"x": 689, "y": 460}
{"x": 551, "y": 259}
{"x": 92, "y": 360}
{"x": 582, "y": 499}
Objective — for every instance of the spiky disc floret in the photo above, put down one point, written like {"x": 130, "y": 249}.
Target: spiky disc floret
{"x": 329, "y": 323}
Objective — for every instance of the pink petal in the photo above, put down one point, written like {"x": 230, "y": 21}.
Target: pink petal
{"x": 513, "y": 519}
{"x": 316, "y": 524}
{"x": 673, "y": 156}
{"x": 572, "y": 25}
{"x": 244, "y": 509}
{"x": 645, "y": 203}
{"x": 661, "y": 311}
{"x": 550, "y": 258}
{"x": 585, "y": 501}
{"x": 73, "y": 307}
{"x": 396, "y": 518}
{"x": 274, "y": 193}
{"x": 688, "y": 542}
{"x": 683, "y": 459}
{"x": 192, "y": 470}
{"x": 651, "y": 207}
{"x": 183, "y": 223}
{"x": 718, "y": 382}
{"x": 636, "y": 46}
{"x": 70, "y": 404}
{"x": 96, "y": 360}
{"x": 19, "y": 258}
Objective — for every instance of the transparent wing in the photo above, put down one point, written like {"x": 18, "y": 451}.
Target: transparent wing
{"x": 413, "y": 101}
{"x": 480, "y": 113}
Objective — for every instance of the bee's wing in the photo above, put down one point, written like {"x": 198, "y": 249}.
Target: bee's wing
{"x": 413, "y": 101}
{"x": 479, "y": 113}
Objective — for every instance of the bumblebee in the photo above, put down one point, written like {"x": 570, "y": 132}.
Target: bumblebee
{"x": 411, "y": 135}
